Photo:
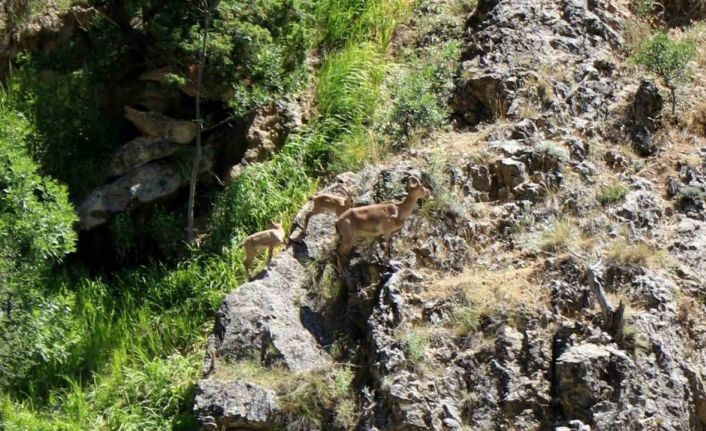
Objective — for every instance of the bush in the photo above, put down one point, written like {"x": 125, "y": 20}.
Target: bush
{"x": 420, "y": 95}
{"x": 669, "y": 59}
{"x": 36, "y": 232}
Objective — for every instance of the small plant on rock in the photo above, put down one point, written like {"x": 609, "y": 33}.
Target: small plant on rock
{"x": 670, "y": 60}
{"x": 415, "y": 344}
{"x": 611, "y": 193}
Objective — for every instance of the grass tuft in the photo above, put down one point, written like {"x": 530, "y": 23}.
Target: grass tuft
{"x": 611, "y": 193}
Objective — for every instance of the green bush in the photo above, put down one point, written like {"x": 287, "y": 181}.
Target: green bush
{"x": 668, "y": 59}
{"x": 36, "y": 232}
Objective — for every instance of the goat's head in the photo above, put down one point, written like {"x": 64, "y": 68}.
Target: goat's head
{"x": 416, "y": 188}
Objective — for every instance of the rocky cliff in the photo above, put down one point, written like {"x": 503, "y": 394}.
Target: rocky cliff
{"x": 556, "y": 281}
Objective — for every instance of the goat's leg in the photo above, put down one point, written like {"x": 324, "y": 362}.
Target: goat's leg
{"x": 247, "y": 263}
{"x": 306, "y": 222}
{"x": 269, "y": 255}
{"x": 388, "y": 240}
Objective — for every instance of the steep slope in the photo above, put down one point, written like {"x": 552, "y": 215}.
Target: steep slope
{"x": 487, "y": 316}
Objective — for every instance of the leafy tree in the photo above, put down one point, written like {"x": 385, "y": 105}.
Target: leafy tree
{"x": 670, "y": 60}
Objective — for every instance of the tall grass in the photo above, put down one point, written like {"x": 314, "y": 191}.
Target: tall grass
{"x": 343, "y": 22}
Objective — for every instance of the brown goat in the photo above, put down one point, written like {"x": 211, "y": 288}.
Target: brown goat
{"x": 267, "y": 239}
{"x": 378, "y": 219}
{"x": 328, "y": 203}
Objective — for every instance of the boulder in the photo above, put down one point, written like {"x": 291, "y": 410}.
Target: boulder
{"x": 269, "y": 130}
{"x": 234, "y": 405}
{"x": 646, "y": 109}
{"x": 157, "y": 125}
{"x": 138, "y": 152}
{"x": 145, "y": 184}
{"x": 511, "y": 172}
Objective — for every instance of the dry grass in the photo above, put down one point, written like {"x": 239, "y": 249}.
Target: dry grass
{"x": 697, "y": 120}
{"x": 529, "y": 111}
{"x": 489, "y": 291}
{"x": 251, "y": 371}
{"x": 638, "y": 254}
{"x": 558, "y": 236}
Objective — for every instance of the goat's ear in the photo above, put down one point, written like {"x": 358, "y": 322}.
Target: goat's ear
{"x": 413, "y": 182}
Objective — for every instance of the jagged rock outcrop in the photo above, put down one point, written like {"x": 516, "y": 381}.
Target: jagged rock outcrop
{"x": 235, "y": 405}
{"x": 53, "y": 28}
{"x": 268, "y": 131}
{"x": 515, "y": 48}
{"x": 442, "y": 342}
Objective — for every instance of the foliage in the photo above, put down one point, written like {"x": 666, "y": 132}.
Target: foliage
{"x": 415, "y": 343}
{"x": 354, "y": 21}
{"x": 552, "y": 149}
{"x": 164, "y": 229}
{"x": 669, "y": 59}
{"x": 465, "y": 320}
{"x": 122, "y": 231}
{"x": 264, "y": 193}
{"x": 123, "y": 353}
{"x": 421, "y": 93}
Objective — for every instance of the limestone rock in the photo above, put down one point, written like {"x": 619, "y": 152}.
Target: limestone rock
{"x": 157, "y": 125}
{"x": 269, "y": 130}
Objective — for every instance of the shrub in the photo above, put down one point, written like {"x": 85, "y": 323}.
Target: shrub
{"x": 415, "y": 343}
{"x": 669, "y": 59}
{"x": 465, "y": 319}
{"x": 611, "y": 193}
{"x": 420, "y": 95}
{"x": 36, "y": 232}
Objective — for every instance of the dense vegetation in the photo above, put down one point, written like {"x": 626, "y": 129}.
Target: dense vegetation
{"x": 123, "y": 351}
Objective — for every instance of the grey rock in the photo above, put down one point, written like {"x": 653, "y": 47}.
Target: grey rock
{"x": 143, "y": 185}
{"x": 268, "y": 131}
{"x": 646, "y": 109}
{"x": 234, "y": 405}
{"x": 511, "y": 172}
{"x": 264, "y": 321}
{"x": 138, "y": 152}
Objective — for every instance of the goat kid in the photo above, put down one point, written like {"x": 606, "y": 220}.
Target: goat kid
{"x": 328, "y": 203}
{"x": 266, "y": 239}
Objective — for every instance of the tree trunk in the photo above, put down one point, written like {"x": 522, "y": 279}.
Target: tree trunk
{"x": 673, "y": 90}
{"x": 198, "y": 155}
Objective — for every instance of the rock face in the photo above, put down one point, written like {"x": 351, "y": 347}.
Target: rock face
{"x": 268, "y": 131}
{"x": 46, "y": 31}
{"x": 645, "y": 116}
{"x": 262, "y": 321}
{"x": 442, "y": 340}
{"x": 138, "y": 152}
